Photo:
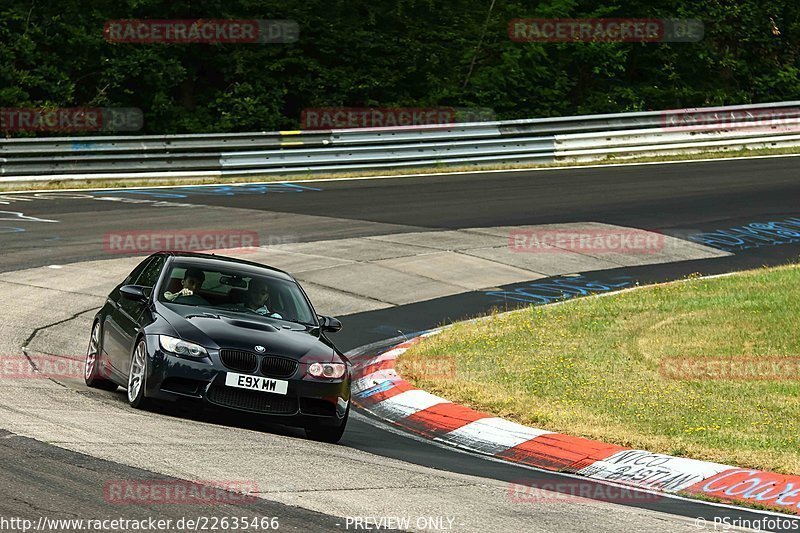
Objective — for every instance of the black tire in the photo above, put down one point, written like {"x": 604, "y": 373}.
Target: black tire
{"x": 331, "y": 434}
{"x": 138, "y": 373}
{"x": 93, "y": 374}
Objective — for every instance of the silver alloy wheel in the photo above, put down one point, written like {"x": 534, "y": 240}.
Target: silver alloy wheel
{"x": 136, "y": 375}
{"x": 91, "y": 352}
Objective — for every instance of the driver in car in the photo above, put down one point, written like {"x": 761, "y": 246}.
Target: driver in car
{"x": 257, "y": 298}
{"x": 192, "y": 281}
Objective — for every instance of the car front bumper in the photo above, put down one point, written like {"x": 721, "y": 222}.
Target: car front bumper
{"x": 308, "y": 401}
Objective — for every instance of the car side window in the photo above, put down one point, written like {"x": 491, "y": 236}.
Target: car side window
{"x": 136, "y": 272}
{"x": 150, "y": 274}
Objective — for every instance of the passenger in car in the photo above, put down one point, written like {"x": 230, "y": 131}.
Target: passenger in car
{"x": 257, "y": 298}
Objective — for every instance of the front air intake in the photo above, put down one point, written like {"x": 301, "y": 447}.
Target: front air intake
{"x": 239, "y": 360}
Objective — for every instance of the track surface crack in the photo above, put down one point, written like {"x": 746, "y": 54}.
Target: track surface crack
{"x": 39, "y": 329}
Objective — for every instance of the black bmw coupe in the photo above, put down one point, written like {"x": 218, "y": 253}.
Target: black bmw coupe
{"x": 232, "y": 333}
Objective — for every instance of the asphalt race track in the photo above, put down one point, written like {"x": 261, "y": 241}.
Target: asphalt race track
{"x": 56, "y": 246}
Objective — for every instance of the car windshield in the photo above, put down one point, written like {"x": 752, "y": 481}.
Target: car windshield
{"x": 237, "y": 291}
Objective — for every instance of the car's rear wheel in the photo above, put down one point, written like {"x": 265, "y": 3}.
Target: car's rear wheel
{"x": 137, "y": 377}
{"x": 332, "y": 434}
{"x": 93, "y": 374}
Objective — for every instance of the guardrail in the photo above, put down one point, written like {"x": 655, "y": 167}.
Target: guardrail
{"x": 546, "y": 140}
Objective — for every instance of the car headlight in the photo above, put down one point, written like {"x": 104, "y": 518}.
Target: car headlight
{"x": 327, "y": 370}
{"x": 181, "y": 347}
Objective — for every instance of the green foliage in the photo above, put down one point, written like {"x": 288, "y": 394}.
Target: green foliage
{"x": 391, "y": 53}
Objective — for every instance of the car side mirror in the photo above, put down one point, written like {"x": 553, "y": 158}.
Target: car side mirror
{"x": 133, "y": 292}
{"x": 330, "y": 324}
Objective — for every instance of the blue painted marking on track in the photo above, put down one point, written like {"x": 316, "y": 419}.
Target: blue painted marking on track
{"x": 233, "y": 190}
{"x": 386, "y": 330}
{"x": 549, "y": 291}
{"x": 155, "y": 193}
{"x": 9, "y": 229}
{"x": 752, "y": 235}
{"x": 221, "y": 190}
{"x": 380, "y": 387}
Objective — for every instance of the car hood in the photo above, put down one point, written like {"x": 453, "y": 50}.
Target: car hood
{"x": 215, "y": 328}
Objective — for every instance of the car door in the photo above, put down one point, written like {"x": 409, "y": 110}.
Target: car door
{"x": 113, "y": 337}
{"x": 134, "y": 315}
{"x": 129, "y": 315}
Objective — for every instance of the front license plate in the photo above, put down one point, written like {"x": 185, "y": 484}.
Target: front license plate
{"x": 243, "y": 381}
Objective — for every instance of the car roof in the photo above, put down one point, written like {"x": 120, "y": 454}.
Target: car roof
{"x": 221, "y": 261}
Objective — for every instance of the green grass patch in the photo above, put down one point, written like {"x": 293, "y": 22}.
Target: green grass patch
{"x": 597, "y": 367}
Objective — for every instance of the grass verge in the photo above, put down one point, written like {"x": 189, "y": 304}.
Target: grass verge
{"x": 120, "y": 183}
{"x": 637, "y": 369}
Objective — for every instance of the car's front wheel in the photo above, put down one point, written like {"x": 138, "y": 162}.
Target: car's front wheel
{"x": 332, "y": 434}
{"x": 93, "y": 373}
{"x": 137, "y": 377}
